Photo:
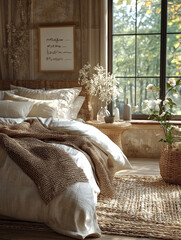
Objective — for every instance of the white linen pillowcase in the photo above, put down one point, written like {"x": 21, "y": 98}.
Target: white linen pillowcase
{"x": 40, "y": 108}
{"x": 28, "y": 92}
{"x": 14, "y": 87}
{"x": 76, "y": 106}
{"x": 11, "y": 109}
{"x": 2, "y": 93}
{"x": 67, "y": 94}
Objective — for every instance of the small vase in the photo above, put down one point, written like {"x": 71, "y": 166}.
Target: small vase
{"x": 103, "y": 112}
{"x": 127, "y": 111}
{"x": 109, "y": 119}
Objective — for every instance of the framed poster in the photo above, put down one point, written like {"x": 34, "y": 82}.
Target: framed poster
{"x": 57, "y": 48}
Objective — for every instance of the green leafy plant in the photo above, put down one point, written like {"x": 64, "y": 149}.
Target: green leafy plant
{"x": 161, "y": 111}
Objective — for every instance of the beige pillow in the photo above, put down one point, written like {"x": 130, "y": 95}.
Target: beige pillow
{"x": 13, "y": 87}
{"x": 43, "y": 108}
{"x": 66, "y": 94}
{"x": 26, "y": 91}
{"x": 76, "y": 106}
{"x": 10, "y": 109}
{"x": 2, "y": 93}
{"x": 40, "y": 108}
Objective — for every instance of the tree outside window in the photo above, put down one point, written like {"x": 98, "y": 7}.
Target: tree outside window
{"x": 145, "y": 49}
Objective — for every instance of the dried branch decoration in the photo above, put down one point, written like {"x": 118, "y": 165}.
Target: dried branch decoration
{"x": 18, "y": 37}
{"x": 100, "y": 83}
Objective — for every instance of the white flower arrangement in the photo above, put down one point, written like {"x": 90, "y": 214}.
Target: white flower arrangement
{"x": 99, "y": 83}
{"x": 161, "y": 111}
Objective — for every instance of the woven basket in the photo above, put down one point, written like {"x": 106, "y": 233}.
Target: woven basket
{"x": 170, "y": 164}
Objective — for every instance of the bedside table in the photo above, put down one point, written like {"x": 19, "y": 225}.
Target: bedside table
{"x": 112, "y": 130}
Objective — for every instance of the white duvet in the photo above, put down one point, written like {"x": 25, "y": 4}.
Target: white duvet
{"x": 73, "y": 212}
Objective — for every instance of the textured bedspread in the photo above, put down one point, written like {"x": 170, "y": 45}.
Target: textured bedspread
{"x": 51, "y": 168}
{"x": 73, "y": 211}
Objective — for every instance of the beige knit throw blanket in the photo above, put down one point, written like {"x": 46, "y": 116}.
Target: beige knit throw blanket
{"x": 50, "y": 167}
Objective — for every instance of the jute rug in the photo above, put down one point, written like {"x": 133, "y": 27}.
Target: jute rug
{"x": 142, "y": 207}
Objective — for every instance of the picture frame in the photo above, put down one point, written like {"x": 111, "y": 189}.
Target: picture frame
{"x": 57, "y": 48}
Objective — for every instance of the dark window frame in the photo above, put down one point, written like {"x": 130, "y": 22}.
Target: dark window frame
{"x": 163, "y": 53}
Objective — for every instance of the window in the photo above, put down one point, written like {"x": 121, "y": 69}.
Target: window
{"x": 144, "y": 48}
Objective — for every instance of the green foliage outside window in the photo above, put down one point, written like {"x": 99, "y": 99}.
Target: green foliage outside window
{"x": 136, "y": 41}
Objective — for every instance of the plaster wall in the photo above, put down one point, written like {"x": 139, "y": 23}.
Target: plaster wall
{"x": 142, "y": 141}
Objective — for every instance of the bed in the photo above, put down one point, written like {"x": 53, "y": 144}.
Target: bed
{"x": 60, "y": 109}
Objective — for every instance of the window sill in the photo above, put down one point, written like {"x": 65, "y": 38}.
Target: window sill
{"x": 151, "y": 122}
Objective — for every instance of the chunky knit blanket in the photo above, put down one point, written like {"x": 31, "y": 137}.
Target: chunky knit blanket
{"x": 50, "y": 167}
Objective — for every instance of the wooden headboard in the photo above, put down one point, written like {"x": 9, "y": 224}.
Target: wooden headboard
{"x": 86, "y": 110}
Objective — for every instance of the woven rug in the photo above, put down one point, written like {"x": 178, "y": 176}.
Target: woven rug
{"x": 142, "y": 207}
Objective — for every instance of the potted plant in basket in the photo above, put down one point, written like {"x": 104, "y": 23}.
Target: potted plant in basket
{"x": 102, "y": 84}
{"x": 161, "y": 111}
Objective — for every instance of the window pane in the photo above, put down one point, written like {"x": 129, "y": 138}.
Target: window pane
{"x": 176, "y": 98}
{"x": 149, "y": 15}
{"x": 174, "y": 16}
{"x": 124, "y": 55}
{"x": 124, "y": 16}
{"x": 142, "y": 93}
{"x": 148, "y": 55}
{"x": 128, "y": 91}
{"x": 136, "y": 44}
{"x": 174, "y": 55}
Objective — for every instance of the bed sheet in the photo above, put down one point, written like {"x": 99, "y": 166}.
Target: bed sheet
{"x": 73, "y": 212}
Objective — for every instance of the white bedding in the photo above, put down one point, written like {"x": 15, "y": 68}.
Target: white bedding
{"x": 73, "y": 212}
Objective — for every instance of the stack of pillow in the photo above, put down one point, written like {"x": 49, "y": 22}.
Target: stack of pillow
{"x": 20, "y": 102}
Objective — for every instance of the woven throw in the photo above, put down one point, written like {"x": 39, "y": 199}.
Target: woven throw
{"x": 143, "y": 206}
{"x": 51, "y": 168}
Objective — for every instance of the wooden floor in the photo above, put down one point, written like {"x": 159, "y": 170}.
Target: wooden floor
{"x": 140, "y": 167}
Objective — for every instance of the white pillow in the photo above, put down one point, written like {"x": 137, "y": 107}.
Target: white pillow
{"x": 67, "y": 94}
{"x": 76, "y": 106}
{"x": 13, "y": 87}
{"x": 10, "y": 109}
{"x": 40, "y": 108}
{"x": 2, "y": 93}
{"x": 26, "y": 91}
{"x": 43, "y": 108}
